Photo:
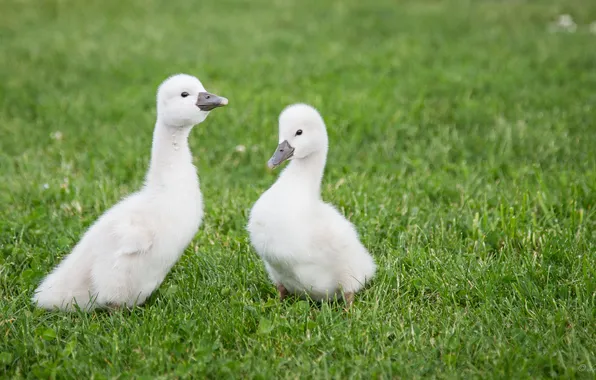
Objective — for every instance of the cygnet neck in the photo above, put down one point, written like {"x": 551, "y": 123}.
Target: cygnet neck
{"x": 170, "y": 155}
{"x": 307, "y": 172}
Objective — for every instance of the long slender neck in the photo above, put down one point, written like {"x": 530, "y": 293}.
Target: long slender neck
{"x": 306, "y": 173}
{"x": 170, "y": 154}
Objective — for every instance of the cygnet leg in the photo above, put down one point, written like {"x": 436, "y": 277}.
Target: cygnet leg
{"x": 113, "y": 307}
{"x": 283, "y": 292}
{"x": 349, "y": 298}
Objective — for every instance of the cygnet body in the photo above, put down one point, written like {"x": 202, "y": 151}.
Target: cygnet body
{"x": 308, "y": 247}
{"x": 125, "y": 255}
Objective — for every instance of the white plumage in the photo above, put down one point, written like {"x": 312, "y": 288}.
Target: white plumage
{"x": 308, "y": 247}
{"x": 125, "y": 255}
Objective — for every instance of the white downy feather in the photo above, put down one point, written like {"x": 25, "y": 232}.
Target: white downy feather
{"x": 125, "y": 255}
{"x": 306, "y": 244}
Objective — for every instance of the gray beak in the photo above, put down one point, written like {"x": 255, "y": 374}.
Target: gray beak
{"x": 282, "y": 153}
{"x": 207, "y": 101}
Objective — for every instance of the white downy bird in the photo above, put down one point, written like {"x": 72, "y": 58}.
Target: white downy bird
{"x": 125, "y": 255}
{"x": 308, "y": 247}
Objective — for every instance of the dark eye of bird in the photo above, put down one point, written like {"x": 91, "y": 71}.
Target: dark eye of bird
{"x": 299, "y": 132}
{"x": 184, "y": 94}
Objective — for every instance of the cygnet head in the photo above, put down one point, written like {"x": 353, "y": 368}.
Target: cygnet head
{"x": 183, "y": 102}
{"x": 302, "y": 133}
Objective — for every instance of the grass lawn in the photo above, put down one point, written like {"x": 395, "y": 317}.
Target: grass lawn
{"x": 462, "y": 146}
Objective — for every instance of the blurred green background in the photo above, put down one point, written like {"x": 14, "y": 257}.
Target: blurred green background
{"x": 462, "y": 146}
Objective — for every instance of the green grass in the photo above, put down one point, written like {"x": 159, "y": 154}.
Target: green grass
{"x": 463, "y": 147}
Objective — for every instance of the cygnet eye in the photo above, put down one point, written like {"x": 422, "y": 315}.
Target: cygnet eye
{"x": 299, "y": 132}
{"x": 184, "y": 94}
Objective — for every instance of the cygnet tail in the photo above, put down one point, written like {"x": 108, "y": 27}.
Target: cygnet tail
{"x": 68, "y": 285}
